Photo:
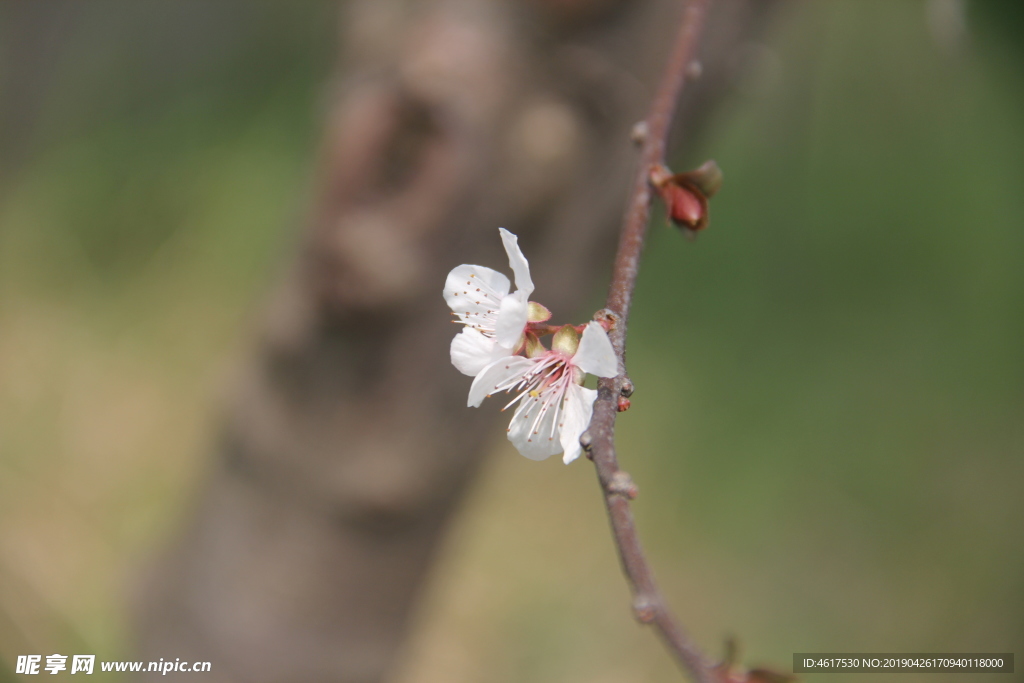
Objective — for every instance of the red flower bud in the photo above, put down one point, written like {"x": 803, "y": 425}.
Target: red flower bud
{"x": 686, "y": 194}
{"x": 684, "y": 206}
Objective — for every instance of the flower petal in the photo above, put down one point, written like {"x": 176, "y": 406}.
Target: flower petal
{"x": 516, "y": 260}
{"x": 576, "y": 413}
{"x": 533, "y": 429}
{"x": 473, "y": 292}
{"x": 595, "y": 354}
{"x": 496, "y": 377}
{"x": 472, "y": 351}
{"x": 511, "y": 319}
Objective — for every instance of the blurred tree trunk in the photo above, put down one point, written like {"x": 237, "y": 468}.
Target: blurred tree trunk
{"x": 31, "y": 36}
{"x": 347, "y": 444}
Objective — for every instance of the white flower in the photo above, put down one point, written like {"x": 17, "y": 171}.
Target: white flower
{"x": 554, "y": 408}
{"x": 494, "y": 319}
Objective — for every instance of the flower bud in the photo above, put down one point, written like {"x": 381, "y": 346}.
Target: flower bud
{"x": 686, "y": 194}
{"x": 685, "y": 207}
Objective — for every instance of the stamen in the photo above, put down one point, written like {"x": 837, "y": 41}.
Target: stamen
{"x": 543, "y": 410}
{"x": 561, "y": 404}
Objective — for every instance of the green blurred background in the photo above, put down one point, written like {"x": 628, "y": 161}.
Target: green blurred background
{"x": 827, "y": 431}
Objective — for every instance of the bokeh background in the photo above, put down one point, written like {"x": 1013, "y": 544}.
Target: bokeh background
{"x": 827, "y": 431}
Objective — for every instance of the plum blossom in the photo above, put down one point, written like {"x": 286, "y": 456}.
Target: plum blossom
{"x": 500, "y": 347}
{"x": 554, "y": 408}
{"x": 494, "y": 319}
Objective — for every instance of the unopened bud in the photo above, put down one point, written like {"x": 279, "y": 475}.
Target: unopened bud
{"x": 684, "y": 205}
{"x": 623, "y": 404}
{"x": 686, "y": 194}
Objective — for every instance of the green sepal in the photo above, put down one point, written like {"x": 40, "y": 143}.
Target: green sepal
{"x": 566, "y": 340}
{"x": 534, "y": 347}
{"x": 537, "y": 313}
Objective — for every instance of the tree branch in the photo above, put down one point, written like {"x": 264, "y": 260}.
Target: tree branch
{"x": 648, "y": 602}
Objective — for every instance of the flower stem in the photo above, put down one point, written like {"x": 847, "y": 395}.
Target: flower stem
{"x": 648, "y": 603}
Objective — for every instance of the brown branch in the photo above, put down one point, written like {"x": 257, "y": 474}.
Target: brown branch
{"x": 648, "y": 603}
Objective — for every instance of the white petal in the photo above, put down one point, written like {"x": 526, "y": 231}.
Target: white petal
{"x": 496, "y": 376}
{"x": 474, "y": 292}
{"x": 472, "y": 351}
{"x": 576, "y": 413}
{"x": 595, "y": 354}
{"x": 511, "y": 319}
{"x": 520, "y": 267}
{"x": 533, "y": 429}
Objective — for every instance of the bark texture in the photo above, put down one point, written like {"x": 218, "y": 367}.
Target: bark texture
{"x": 347, "y": 444}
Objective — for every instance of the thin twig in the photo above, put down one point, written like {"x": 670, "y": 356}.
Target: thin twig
{"x": 648, "y": 602}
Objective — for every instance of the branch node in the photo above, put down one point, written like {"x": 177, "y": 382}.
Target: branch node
{"x": 639, "y": 133}
{"x": 621, "y": 484}
{"x": 645, "y": 609}
{"x": 627, "y": 388}
{"x": 586, "y": 440}
{"x": 608, "y": 318}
